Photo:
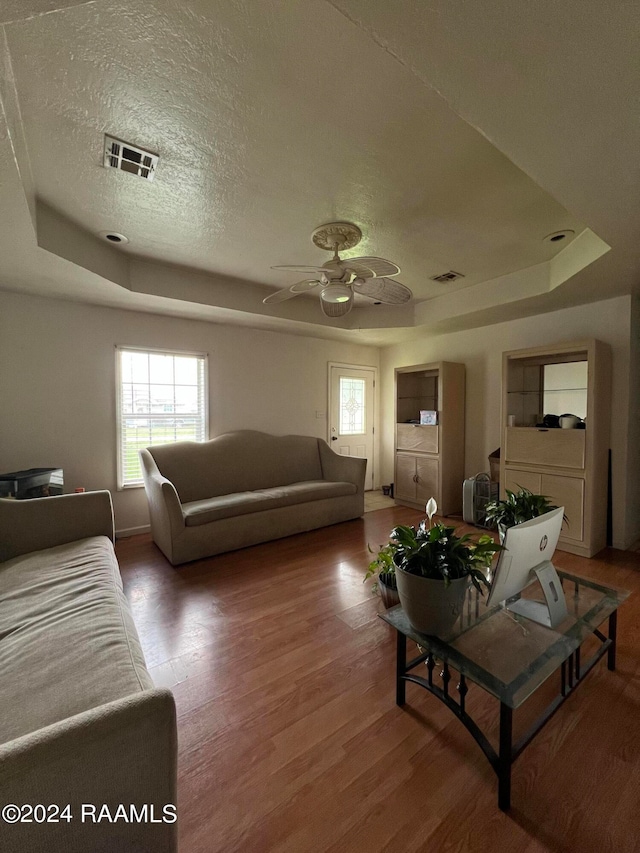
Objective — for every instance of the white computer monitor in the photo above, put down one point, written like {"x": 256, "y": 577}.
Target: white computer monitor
{"x": 529, "y": 548}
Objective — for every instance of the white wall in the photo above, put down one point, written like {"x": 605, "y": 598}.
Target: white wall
{"x": 57, "y": 385}
{"x": 481, "y": 351}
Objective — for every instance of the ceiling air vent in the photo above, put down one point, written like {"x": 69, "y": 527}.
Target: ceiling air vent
{"x": 447, "y": 276}
{"x": 128, "y": 158}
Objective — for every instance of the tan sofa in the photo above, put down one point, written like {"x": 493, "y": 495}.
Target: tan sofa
{"x": 80, "y": 721}
{"x": 246, "y": 487}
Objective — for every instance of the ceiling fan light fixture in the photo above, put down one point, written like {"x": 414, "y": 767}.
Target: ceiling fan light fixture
{"x": 340, "y": 280}
{"x": 336, "y": 293}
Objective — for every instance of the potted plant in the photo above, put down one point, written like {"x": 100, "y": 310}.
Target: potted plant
{"x": 384, "y": 570}
{"x": 433, "y": 567}
{"x": 517, "y": 507}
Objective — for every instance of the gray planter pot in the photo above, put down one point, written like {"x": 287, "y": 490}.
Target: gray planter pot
{"x": 431, "y": 607}
{"x": 388, "y": 594}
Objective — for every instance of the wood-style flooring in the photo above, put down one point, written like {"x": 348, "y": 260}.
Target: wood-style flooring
{"x": 290, "y": 739}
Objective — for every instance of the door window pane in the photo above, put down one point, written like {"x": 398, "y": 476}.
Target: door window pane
{"x": 352, "y": 406}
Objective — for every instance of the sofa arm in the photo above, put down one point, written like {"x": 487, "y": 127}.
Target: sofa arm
{"x": 165, "y": 509}
{"x": 336, "y": 468}
{"x": 32, "y": 525}
{"x": 122, "y": 753}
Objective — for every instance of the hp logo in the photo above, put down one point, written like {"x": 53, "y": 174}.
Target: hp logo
{"x": 543, "y": 543}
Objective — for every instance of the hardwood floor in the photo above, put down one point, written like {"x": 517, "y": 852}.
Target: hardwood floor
{"x": 290, "y": 739}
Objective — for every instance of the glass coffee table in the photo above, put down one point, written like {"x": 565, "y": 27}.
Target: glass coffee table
{"x": 510, "y": 657}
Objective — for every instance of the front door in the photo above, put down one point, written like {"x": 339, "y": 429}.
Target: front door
{"x": 351, "y": 414}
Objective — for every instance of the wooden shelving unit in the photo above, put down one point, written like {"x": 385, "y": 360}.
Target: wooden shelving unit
{"x": 570, "y": 466}
{"x": 429, "y": 459}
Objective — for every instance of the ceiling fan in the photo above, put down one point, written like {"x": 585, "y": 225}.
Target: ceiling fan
{"x": 339, "y": 280}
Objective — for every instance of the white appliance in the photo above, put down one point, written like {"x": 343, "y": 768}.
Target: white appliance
{"x": 476, "y": 493}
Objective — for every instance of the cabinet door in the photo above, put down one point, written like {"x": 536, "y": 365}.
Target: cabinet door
{"x": 516, "y": 480}
{"x": 427, "y": 482}
{"x": 569, "y": 493}
{"x": 405, "y": 485}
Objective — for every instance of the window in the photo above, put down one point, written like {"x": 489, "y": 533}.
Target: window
{"x": 161, "y": 399}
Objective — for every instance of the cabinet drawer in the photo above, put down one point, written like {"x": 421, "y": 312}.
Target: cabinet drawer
{"x": 556, "y": 448}
{"x": 417, "y": 437}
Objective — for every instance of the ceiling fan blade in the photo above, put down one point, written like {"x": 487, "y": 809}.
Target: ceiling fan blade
{"x": 384, "y": 290}
{"x": 279, "y": 296}
{"x": 336, "y": 309}
{"x": 371, "y": 267}
{"x": 290, "y": 292}
{"x": 299, "y": 268}
{"x": 303, "y": 286}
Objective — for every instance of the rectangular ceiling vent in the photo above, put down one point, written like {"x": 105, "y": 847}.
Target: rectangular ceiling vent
{"x": 128, "y": 158}
{"x": 447, "y": 276}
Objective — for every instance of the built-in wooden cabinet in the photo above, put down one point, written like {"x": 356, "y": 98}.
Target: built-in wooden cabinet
{"x": 570, "y": 466}
{"x": 429, "y": 458}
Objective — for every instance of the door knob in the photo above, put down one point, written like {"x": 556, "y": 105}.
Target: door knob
{"x": 334, "y": 438}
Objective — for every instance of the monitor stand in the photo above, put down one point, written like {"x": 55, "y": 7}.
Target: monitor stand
{"x": 551, "y": 613}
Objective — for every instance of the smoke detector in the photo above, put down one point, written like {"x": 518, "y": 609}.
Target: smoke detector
{"x": 447, "y": 276}
{"x": 129, "y": 158}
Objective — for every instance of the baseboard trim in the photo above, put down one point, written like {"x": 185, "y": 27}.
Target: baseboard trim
{"x": 132, "y": 531}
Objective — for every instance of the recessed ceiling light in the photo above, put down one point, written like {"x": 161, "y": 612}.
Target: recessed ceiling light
{"x": 113, "y": 237}
{"x": 559, "y": 236}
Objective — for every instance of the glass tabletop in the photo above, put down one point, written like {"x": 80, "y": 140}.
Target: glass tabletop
{"x": 507, "y": 654}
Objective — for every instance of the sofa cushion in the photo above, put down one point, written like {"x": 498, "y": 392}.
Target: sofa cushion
{"x": 237, "y": 462}
{"x": 67, "y": 638}
{"x": 241, "y": 503}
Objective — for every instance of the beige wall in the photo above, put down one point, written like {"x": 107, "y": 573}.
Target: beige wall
{"x": 633, "y": 453}
{"x": 57, "y": 366}
{"x": 57, "y": 377}
{"x": 481, "y": 350}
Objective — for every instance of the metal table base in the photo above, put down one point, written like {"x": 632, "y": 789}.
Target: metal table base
{"x": 572, "y": 672}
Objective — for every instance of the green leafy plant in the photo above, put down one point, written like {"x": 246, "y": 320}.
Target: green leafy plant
{"x": 382, "y": 567}
{"x": 436, "y": 552}
{"x": 518, "y": 507}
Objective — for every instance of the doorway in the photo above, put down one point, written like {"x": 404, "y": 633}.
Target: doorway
{"x": 352, "y": 412}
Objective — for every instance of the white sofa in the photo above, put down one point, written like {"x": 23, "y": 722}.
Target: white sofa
{"x": 80, "y": 719}
{"x": 246, "y": 487}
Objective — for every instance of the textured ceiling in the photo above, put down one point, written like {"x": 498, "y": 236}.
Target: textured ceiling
{"x": 447, "y": 146}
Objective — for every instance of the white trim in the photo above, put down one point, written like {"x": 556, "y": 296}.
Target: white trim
{"x": 163, "y": 350}
{"x": 376, "y": 400}
{"x": 132, "y": 531}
